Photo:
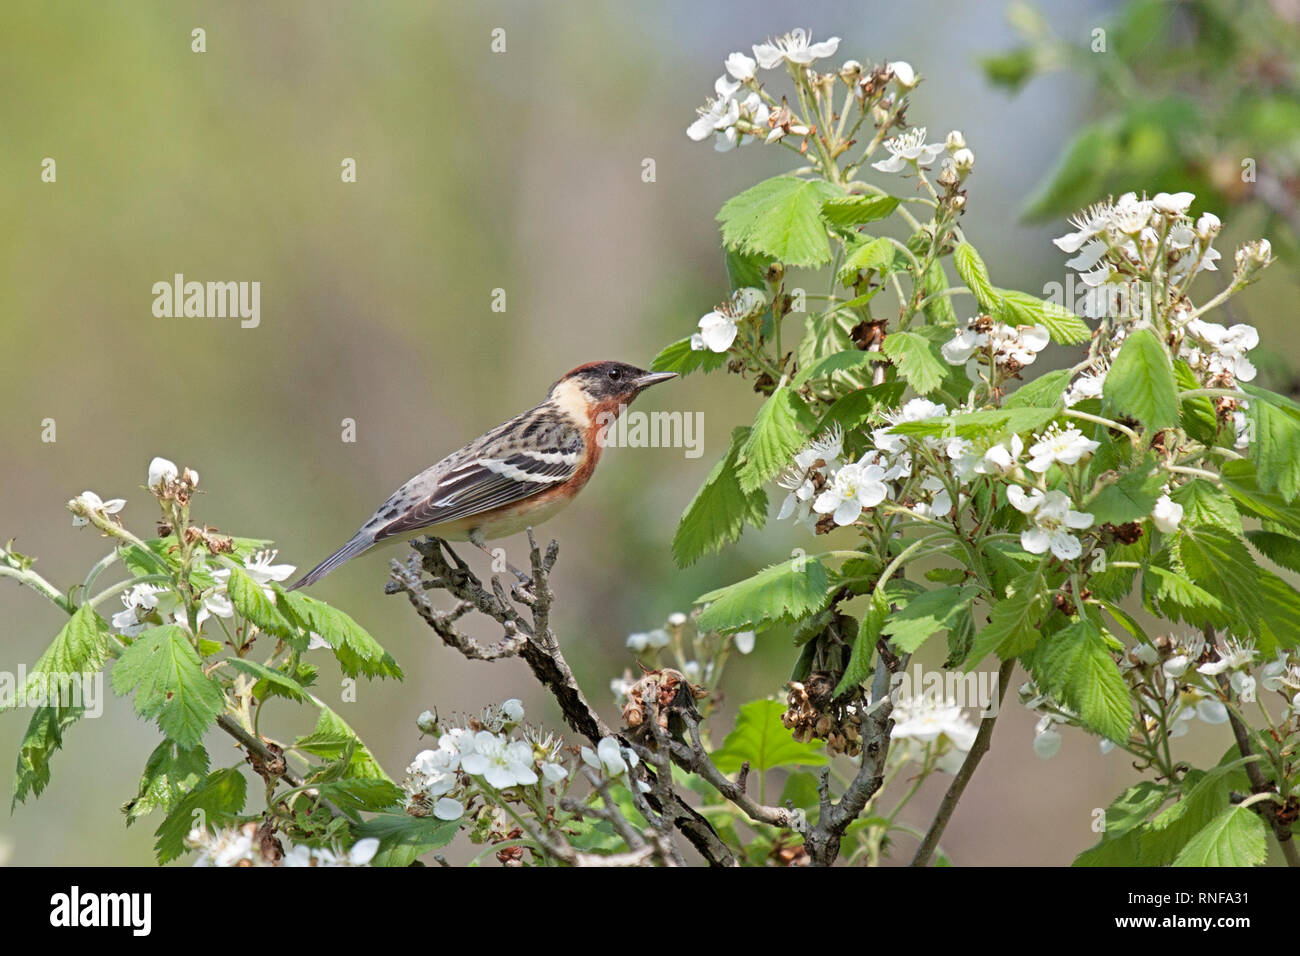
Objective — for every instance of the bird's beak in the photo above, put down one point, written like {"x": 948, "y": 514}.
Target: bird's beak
{"x": 652, "y": 378}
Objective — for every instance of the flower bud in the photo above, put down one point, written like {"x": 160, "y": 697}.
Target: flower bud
{"x": 964, "y": 160}
{"x": 904, "y": 75}
{"x": 1208, "y": 226}
{"x": 955, "y": 141}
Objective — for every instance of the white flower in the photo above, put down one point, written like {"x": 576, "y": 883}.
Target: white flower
{"x": 1208, "y": 226}
{"x": 1175, "y": 204}
{"x": 718, "y": 329}
{"x": 513, "y": 710}
{"x": 1088, "y": 385}
{"x": 717, "y": 114}
{"x": 89, "y": 501}
{"x": 904, "y": 75}
{"x": 744, "y": 641}
{"x": 1047, "y": 742}
{"x": 795, "y": 47}
{"x": 798, "y": 480}
{"x": 139, "y": 602}
{"x": 854, "y": 487}
{"x": 448, "y": 809}
{"x": 1053, "y": 521}
{"x": 501, "y": 762}
{"x": 1002, "y": 457}
{"x": 1176, "y": 666}
{"x": 1167, "y": 514}
{"x": 959, "y": 349}
{"x": 1062, "y": 446}
{"x": 427, "y": 722}
{"x": 740, "y": 66}
{"x": 162, "y": 471}
{"x": 1018, "y": 344}
{"x": 909, "y": 147}
{"x": 923, "y": 720}
{"x": 609, "y": 757}
{"x": 553, "y": 772}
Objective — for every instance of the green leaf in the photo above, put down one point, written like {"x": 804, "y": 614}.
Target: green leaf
{"x": 1218, "y": 561}
{"x": 858, "y": 210}
{"x": 786, "y": 591}
{"x": 1140, "y": 382}
{"x": 1080, "y": 175}
{"x": 1131, "y": 498}
{"x": 1279, "y": 614}
{"x": 1282, "y": 549}
{"x": 1020, "y": 308}
{"x": 746, "y": 271}
{"x": 1133, "y": 806}
{"x": 1046, "y": 391}
{"x": 251, "y": 602}
{"x": 861, "y": 405}
{"x": 917, "y": 359}
{"x": 928, "y": 614}
{"x": 217, "y": 801}
{"x": 1274, "y": 442}
{"x": 404, "y": 838}
{"x": 1239, "y": 480}
{"x": 269, "y": 681}
{"x": 163, "y": 669}
{"x": 80, "y": 648}
{"x": 762, "y": 741}
{"x": 1012, "y": 628}
{"x": 357, "y": 652}
{"x": 682, "y": 359}
{"x": 718, "y": 512}
{"x": 772, "y": 442}
{"x": 986, "y": 423}
{"x": 359, "y": 793}
{"x": 333, "y": 738}
{"x": 874, "y": 255}
{"x": 779, "y": 217}
{"x": 939, "y": 311}
{"x": 1170, "y": 831}
{"x": 975, "y": 274}
{"x": 1010, "y": 70}
{"x": 1205, "y": 504}
{"x": 1075, "y": 665}
{"x": 1178, "y": 598}
{"x": 169, "y": 774}
{"x": 836, "y": 362}
{"x": 1234, "y": 838}
{"x": 858, "y": 670}
{"x": 44, "y": 736}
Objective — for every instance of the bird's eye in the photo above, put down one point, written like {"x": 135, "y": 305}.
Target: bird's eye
{"x": 614, "y": 374}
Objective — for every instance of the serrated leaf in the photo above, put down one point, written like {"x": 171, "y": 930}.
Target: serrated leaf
{"x": 1130, "y": 498}
{"x": 786, "y": 591}
{"x": 251, "y": 602}
{"x": 164, "y": 670}
{"x": 217, "y": 800}
{"x": 858, "y": 670}
{"x": 762, "y": 741}
{"x": 917, "y": 360}
{"x": 80, "y": 648}
{"x": 357, "y": 652}
{"x": 988, "y": 422}
{"x": 1164, "y": 838}
{"x": 720, "y": 509}
{"x": 938, "y": 310}
{"x": 1075, "y": 665}
{"x": 682, "y": 359}
{"x": 975, "y": 274}
{"x": 772, "y": 441}
{"x": 269, "y": 681}
{"x": 1020, "y": 308}
{"x": 1279, "y": 614}
{"x": 404, "y": 838}
{"x": 1239, "y": 480}
{"x": 861, "y": 405}
{"x": 872, "y": 255}
{"x": 333, "y": 738}
{"x": 927, "y": 614}
{"x": 1234, "y": 838}
{"x": 746, "y": 271}
{"x": 848, "y": 211}
{"x": 1080, "y": 174}
{"x": 1180, "y": 599}
{"x": 169, "y": 773}
{"x": 1013, "y": 623}
{"x": 1274, "y": 442}
{"x": 1140, "y": 382}
{"x": 1218, "y": 561}
{"x": 1046, "y": 391}
{"x": 779, "y": 217}
{"x": 838, "y": 362}
{"x": 1132, "y": 807}
{"x": 1282, "y": 549}
{"x": 44, "y": 736}
{"x": 1203, "y": 503}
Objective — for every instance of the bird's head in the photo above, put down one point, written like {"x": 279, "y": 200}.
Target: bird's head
{"x": 605, "y": 386}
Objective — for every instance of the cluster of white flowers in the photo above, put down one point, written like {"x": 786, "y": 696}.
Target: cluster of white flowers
{"x": 240, "y": 846}
{"x": 440, "y": 781}
{"x": 718, "y": 329}
{"x": 924, "y": 723}
{"x": 909, "y": 151}
{"x": 1009, "y": 347}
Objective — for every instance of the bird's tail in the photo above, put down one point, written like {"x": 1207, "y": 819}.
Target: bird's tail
{"x": 359, "y": 543}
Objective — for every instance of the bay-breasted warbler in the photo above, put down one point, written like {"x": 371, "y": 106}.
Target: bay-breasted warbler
{"x": 515, "y": 476}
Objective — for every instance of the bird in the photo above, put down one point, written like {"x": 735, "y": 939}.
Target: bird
{"x": 513, "y": 477}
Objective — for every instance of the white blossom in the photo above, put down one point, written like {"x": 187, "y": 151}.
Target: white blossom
{"x": 908, "y": 148}
{"x": 161, "y": 472}
{"x": 1053, "y": 522}
{"x": 89, "y": 501}
{"x": 1063, "y": 446}
{"x": 854, "y": 487}
{"x": 1166, "y": 514}
{"x": 795, "y": 47}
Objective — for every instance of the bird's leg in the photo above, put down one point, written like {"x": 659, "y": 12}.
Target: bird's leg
{"x": 476, "y": 539}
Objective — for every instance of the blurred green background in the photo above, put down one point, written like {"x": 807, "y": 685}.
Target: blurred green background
{"x": 476, "y": 171}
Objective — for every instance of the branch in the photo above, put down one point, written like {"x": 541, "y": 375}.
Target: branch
{"x": 958, "y": 786}
{"x": 529, "y": 635}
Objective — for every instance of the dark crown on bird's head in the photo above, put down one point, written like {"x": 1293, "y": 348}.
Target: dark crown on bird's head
{"x": 612, "y": 381}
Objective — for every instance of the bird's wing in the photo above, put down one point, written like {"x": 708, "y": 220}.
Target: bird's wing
{"x": 537, "y": 451}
